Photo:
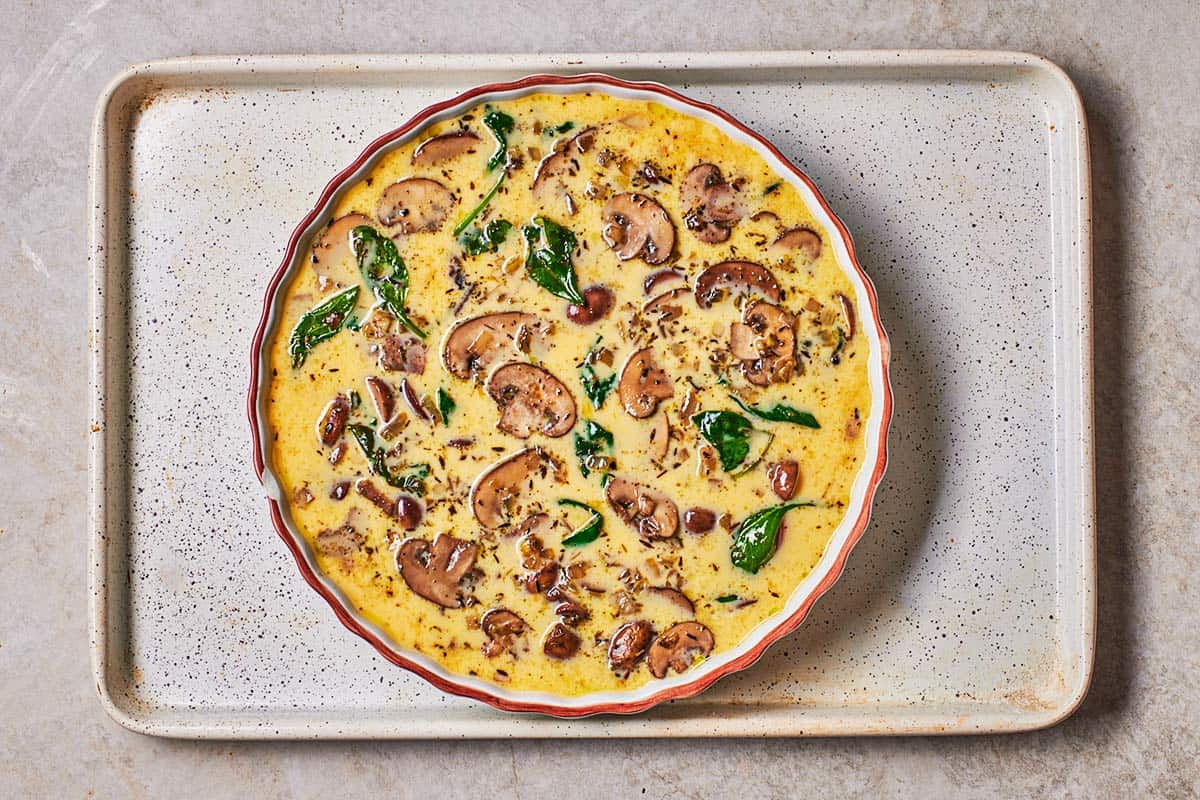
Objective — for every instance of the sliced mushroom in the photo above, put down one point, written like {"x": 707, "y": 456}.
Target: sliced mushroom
{"x": 501, "y": 627}
{"x": 444, "y": 147}
{"x": 635, "y": 225}
{"x": 743, "y": 275}
{"x": 415, "y": 205}
{"x": 643, "y": 385}
{"x": 562, "y": 161}
{"x": 439, "y": 573}
{"x": 678, "y": 647}
{"x": 598, "y": 301}
{"x": 660, "y": 438}
{"x": 531, "y": 400}
{"x": 655, "y": 281}
{"x": 366, "y": 488}
{"x": 571, "y": 611}
{"x": 382, "y": 396}
{"x": 710, "y": 204}
{"x": 699, "y": 520}
{"x": 648, "y": 511}
{"x": 496, "y": 493}
{"x": 402, "y": 353}
{"x": 666, "y": 306}
{"x": 803, "y": 239}
{"x": 765, "y": 342}
{"x": 674, "y": 597}
{"x": 560, "y": 642}
{"x": 341, "y": 542}
{"x": 627, "y": 645}
{"x": 784, "y": 477}
{"x": 848, "y": 314}
{"x": 334, "y": 244}
{"x": 473, "y": 345}
{"x": 333, "y": 420}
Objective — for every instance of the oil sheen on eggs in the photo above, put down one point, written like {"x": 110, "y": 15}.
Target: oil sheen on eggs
{"x": 632, "y": 147}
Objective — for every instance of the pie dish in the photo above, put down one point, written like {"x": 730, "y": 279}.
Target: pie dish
{"x": 619, "y": 360}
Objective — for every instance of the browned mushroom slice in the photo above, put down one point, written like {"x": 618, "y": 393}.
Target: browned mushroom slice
{"x": 560, "y": 642}
{"x": 415, "y": 205}
{"x": 383, "y": 397}
{"x": 666, "y": 305}
{"x": 531, "y": 400}
{"x": 655, "y": 281}
{"x": 660, "y": 438}
{"x": 627, "y": 645}
{"x": 805, "y": 240}
{"x": 341, "y": 542}
{"x": 710, "y": 204}
{"x": 848, "y": 314}
{"x": 699, "y": 520}
{"x": 784, "y": 478}
{"x": 333, "y": 420}
{"x": 765, "y": 342}
{"x": 563, "y": 161}
{"x": 444, "y": 147}
{"x": 501, "y": 627}
{"x": 643, "y": 385}
{"x": 438, "y": 573}
{"x": 648, "y": 511}
{"x": 678, "y": 647}
{"x": 495, "y": 495}
{"x": 334, "y": 243}
{"x": 598, "y": 301}
{"x": 402, "y": 353}
{"x": 473, "y": 345}
{"x": 674, "y": 597}
{"x": 743, "y": 275}
{"x": 635, "y": 225}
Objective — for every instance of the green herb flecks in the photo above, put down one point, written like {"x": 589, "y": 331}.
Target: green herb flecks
{"x": 755, "y": 538}
{"x": 411, "y": 479}
{"x": 385, "y": 273}
{"x": 780, "y": 412}
{"x": 772, "y": 188}
{"x": 727, "y": 598}
{"x": 596, "y": 388}
{"x": 486, "y": 239}
{"x": 445, "y": 405}
{"x": 479, "y": 207}
{"x": 320, "y": 323}
{"x": 501, "y": 125}
{"x": 594, "y": 440}
{"x": 555, "y": 130}
{"x": 548, "y": 260}
{"x": 587, "y": 532}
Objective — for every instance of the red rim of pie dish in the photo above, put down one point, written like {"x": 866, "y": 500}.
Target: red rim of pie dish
{"x": 448, "y": 684}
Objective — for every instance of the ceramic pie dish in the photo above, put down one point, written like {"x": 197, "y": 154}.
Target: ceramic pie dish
{"x": 858, "y": 333}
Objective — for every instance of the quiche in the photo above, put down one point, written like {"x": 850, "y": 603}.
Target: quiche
{"x": 568, "y": 393}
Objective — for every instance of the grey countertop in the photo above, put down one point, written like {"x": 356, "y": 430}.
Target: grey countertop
{"x": 1135, "y": 735}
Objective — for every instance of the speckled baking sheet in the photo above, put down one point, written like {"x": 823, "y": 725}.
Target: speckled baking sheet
{"x": 967, "y": 607}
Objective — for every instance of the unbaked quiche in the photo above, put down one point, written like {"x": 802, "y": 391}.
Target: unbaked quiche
{"x": 568, "y": 394}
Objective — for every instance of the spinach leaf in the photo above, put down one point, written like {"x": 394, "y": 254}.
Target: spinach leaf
{"x": 727, "y": 598}
{"x": 479, "y": 207}
{"x": 780, "y": 412}
{"x": 754, "y": 540}
{"x": 501, "y": 125}
{"x": 772, "y": 188}
{"x": 320, "y": 323}
{"x": 445, "y": 405}
{"x": 595, "y": 388}
{"x": 728, "y": 432}
{"x": 587, "y": 532}
{"x": 594, "y": 439}
{"x": 411, "y": 480}
{"x": 548, "y": 260}
{"x": 485, "y": 240}
{"x": 384, "y": 271}
{"x": 554, "y": 130}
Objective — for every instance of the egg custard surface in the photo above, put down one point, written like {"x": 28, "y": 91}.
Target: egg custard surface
{"x": 569, "y": 393}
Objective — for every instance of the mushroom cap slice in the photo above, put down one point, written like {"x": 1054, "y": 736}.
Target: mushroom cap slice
{"x": 560, "y": 642}
{"x": 674, "y": 597}
{"x": 648, "y": 511}
{"x": 627, "y": 645}
{"x": 532, "y": 401}
{"x": 710, "y": 203}
{"x": 496, "y": 493}
{"x": 415, "y": 205}
{"x": 437, "y": 572}
{"x": 382, "y": 396}
{"x": 333, "y": 245}
{"x": 561, "y": 161}
{"x": 643, "y": 385}
{"x": 473, "y": 345}
{"x": 803, "y": 239}
{"x": 332, "y": 423}
{"x": 744, "y": 275}
{"x": 656, "y": 280}
{"x": 677, "y": 647}
{"x": 766, "y": 343}
{"x": 444, "y": 147}
{"x": 635, "y": 225}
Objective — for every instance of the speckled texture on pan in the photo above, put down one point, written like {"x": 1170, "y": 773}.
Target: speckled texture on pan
{"x": 967, "y": 606}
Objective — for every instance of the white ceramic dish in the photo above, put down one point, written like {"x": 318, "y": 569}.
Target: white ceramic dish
{"x": 188, "y": 631}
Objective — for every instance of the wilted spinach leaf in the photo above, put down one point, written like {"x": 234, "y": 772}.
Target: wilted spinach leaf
{"x": 548, "y": 260}
{"x": 384, "y": 271}
{"x": 780, "y": 412}
{"x": 320, "y": 323}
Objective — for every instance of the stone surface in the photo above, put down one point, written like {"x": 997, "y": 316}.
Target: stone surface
{"x": 1134, "y": 736}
